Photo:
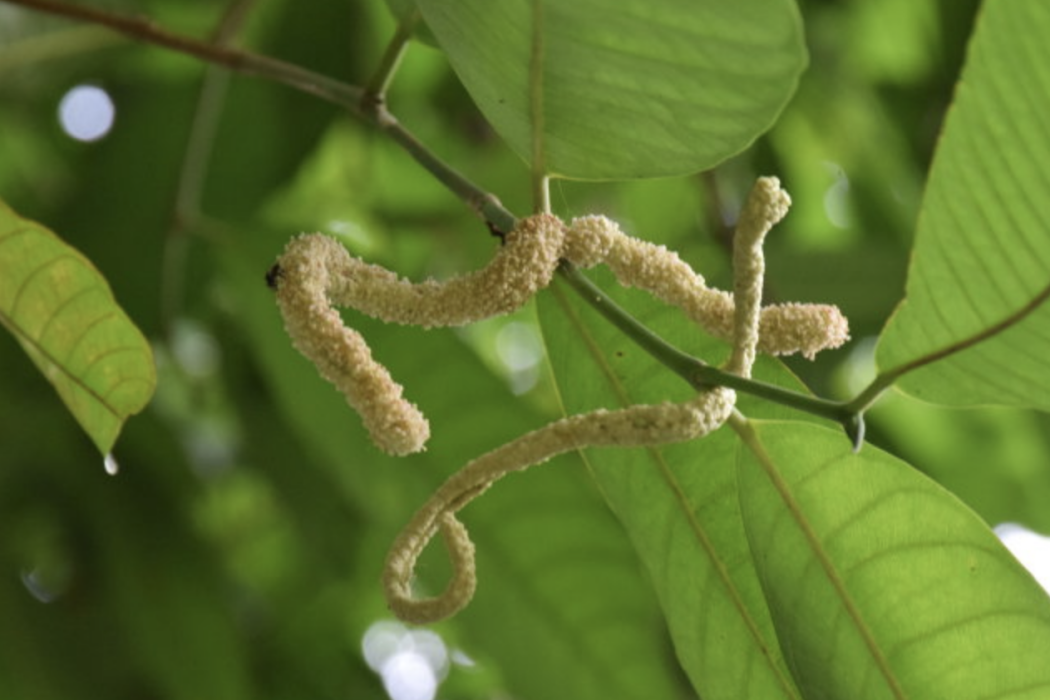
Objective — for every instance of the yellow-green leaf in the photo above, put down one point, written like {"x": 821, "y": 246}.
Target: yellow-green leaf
{"x": 881, "y": 584}
{"x": 980, "y": 272}
{"x": 62, "y": 311}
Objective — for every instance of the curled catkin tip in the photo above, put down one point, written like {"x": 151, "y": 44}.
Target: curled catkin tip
{"x": 767, "y": 205}
{"x": 397, "y": 578}
{"x": 636, "y": 426}
{"x": 308, "y": 268}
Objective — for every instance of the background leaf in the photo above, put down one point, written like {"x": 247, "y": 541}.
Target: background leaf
{"x": 62, "y": 311}
{"x": 982, "y": 251}
{"x": 881, "y": 583}
{"x": 630, "y": 89}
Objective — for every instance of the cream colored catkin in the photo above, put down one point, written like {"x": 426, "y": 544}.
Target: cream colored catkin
{"x": 316, "y": 273}
{"x": 307, "y": 272}
{"x": 635, "y": 426}
{"x": 784, "y": 329}
{"x": 766, "y": 205}
{"x": 522, "y": 266}
{"x": 642, "y": 425}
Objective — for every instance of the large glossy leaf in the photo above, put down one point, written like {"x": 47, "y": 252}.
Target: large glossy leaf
{"x": 880, "y": 582}
{"x": 677, "y": 503}
{"x": 596, "y": 89}
{"x": 62, "y": 311}
{"x": 560, "y": 606}
{"x": 982, "y": 252}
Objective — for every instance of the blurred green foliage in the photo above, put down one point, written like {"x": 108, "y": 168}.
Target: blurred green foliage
{"x": 237, "y": 552}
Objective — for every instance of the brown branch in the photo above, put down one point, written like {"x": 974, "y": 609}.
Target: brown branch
{"x": 349, "y": 96}
{"x": 241, "y": 61}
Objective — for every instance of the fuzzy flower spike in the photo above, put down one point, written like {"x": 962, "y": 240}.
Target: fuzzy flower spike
{"x": 306, "y": 275}
{"x": 635, "y": 426}
{"x": 316, "y": 273}
{"x": 784, "y": 329}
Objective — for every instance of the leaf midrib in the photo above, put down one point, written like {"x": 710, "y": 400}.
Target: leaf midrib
{"x": 679, "y": 496}
{"x": 750, "y": 438}
{"x": 70, "y": 377}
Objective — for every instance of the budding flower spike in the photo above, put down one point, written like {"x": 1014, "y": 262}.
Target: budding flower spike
{"x": 306, "y": 276}
{"x": 315, "y": 274}
{"x": 784, "y": 329}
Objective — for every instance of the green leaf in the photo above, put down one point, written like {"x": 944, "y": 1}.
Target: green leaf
{"x": 401, "y": 10}
{"x": 560, "y": 606}
{"x": 62, "y": 311}
{"x": 880, "y": 582}
{"x": 677, "y": 503}
{"x": 980, "y": 274}
{"x": 631, "y": 89}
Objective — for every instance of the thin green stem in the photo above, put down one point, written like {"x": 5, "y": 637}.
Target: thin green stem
{"x": 871, "y": 393}
{"x": 541, "y": 199}
{"x": 484, "y": 203}
{"x": 671, "y": 357}
{"x": 376, "y": 89}
{"x": 541, "y": 193}
{"x": 206, "y": 118}
{"x": 199, "y": 146}
{"x": 886, "y": 379}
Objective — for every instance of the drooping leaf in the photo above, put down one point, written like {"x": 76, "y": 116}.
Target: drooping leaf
{"x": 62, "y": 312}
{"x": 981, "y": 263}
{"x": 677, "y": 503}
{"x": 626, "y": 89}
{"x": 881, "y": 583}
{"x": 560, "y": 606}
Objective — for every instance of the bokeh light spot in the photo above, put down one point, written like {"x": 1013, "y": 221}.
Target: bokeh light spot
{"x": 411, "y": 663}
{"x": 86, "y": 113}
{"x": 520, "y": 349}
{"x": 1030, "y": 548}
